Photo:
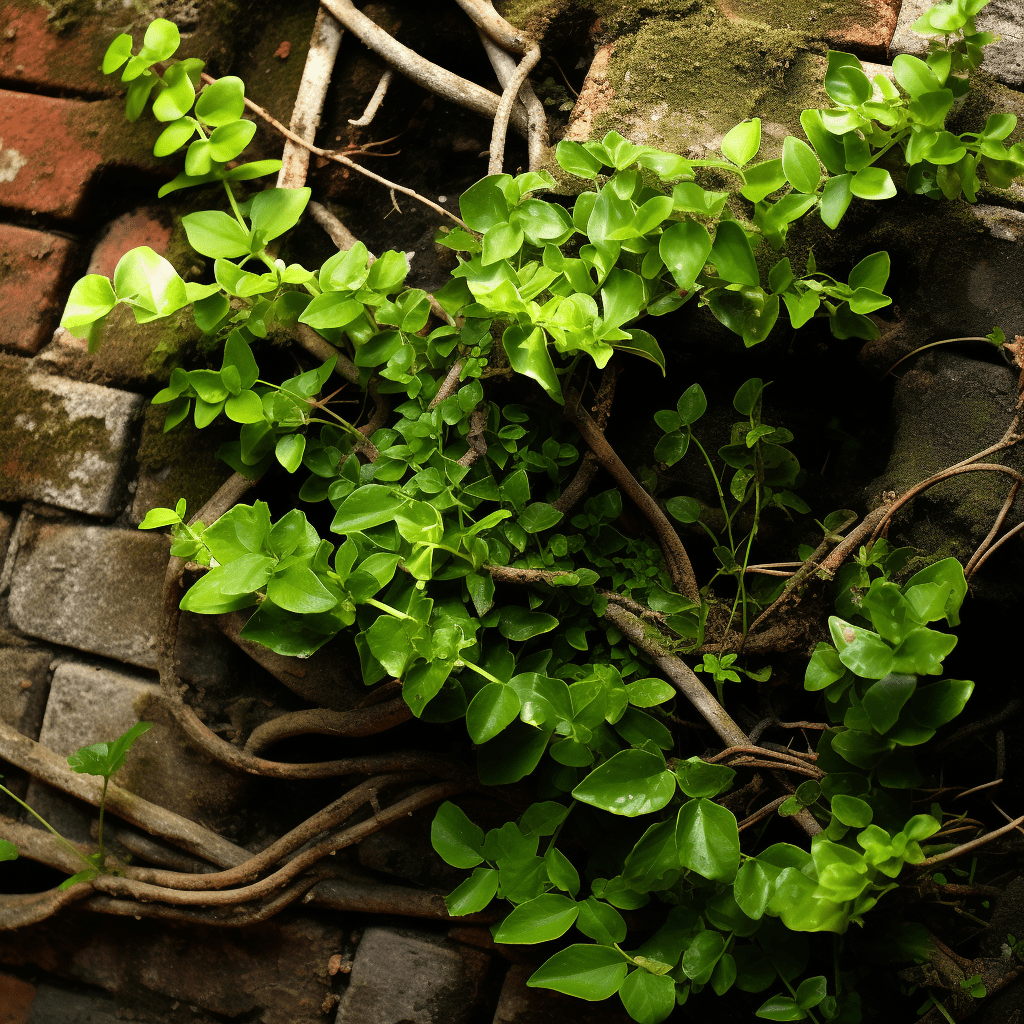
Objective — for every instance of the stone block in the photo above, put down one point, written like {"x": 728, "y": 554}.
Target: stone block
{"x": 1004, "y": 60}
{"x": 407, "y": 977}
{"x": 92, "y": 704}
{"x": 24, "y": 684}
{"x": 863, "y": 27}
{"x": 52, "y": 149}
{"x": 94, "y": 588}
{"x": 270, "y": 973}
{"x": 518, "y": 1004}
{"x": 179, "y": 464}
{"x": 33, "y": 270}
{"x": 681, "y": 83}
{"x": 63, "y": 442}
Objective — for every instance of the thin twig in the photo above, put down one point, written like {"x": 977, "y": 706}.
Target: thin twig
{"x": 991, "y": 535}
{"x": 375, "y": 101}
{"x": 329, "y": 154}
{"x": 764, "y": 812}
{"x": 309, "y": 101}
{"x": 1009, "y": 535}
{"x": 340, "y": 235}
{"x": 970, "y": 847}
{"x": 475, "y": 437}
{"x": 448, "y": 385}
{"x": 945, "y": 474}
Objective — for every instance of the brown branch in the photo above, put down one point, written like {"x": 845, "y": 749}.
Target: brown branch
{"x": 475, "y": 437}
{"x": 978, "y": 555}
{"x": 309, "y": 101}
{"x": 323, "y": 722}
{"x": 339, "y": 234}
{"x": 676, "y": 558}
{"x": 601, "y": 409}
{"x": 146, "y": 892}
{"x": 430, "y": 76}
{"x": 962, "y": 467}
{"x": 762, "y": 813}
{"x": 330, "y": 154}
{"x": 448, "y": 385}
{"x": 24, "y": 909}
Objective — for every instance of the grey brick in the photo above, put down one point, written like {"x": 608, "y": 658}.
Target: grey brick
{"x": 63, "y": 442}
{"x": 24, "y": 682}
{"x": 95, "y": 588}
{"x": 1004, "y": 60}
{"x": 405, "y": 977}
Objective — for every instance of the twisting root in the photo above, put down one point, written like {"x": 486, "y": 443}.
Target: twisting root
{"x": 980, "y": 555}
{"x": 430, "y": 76}
{"x": 146, "y": 892}
{"x": 676, "y": 558}
{"x": 508, "y": 98}
{"x": 23, "y": 909}
{"x": 361, "y": 722}
{"x": 280, "y": 850}
{"x": 375, "y": 100}
{"x": 644, "y": 638}
{"x": 47, "y": 766}
{"x": 494, "y": 26}
{"x": 537, "y": 121}
{"x": 309, "y": 101}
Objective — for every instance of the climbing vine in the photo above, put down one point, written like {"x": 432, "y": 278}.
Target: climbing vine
{"x": 474, "y": 564}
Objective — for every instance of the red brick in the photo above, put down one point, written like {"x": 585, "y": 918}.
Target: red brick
{"x": 15, "y": 1000}
{"x": 145, "y": 226}
{"x": 33, "y": 52}
{"x": 33, "y": 270}
{"x": 50, "y": 150}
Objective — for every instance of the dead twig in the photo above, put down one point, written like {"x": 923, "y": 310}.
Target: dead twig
{"x": 375, "y": 100}
{"x": 970, "y": 847}
{"x": 330, "y": 154}
{"x": 475, "y": 437}
{"x": 448, "y": 385}
{"x": 309, "y": 101}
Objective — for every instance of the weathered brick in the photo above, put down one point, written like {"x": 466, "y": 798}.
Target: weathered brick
{"x": 24, "y": 683}
{"x": 91, "y": 704}
{"x": 51, "y": 149}
{"x": 95, "y": 588}
{"x": 1004, "y": 59}
{"x": 33, "y": 53}
{"x": 63, "y": 442}
{"x": 864, "y": 27}
{"x": 407, "y": 977}
{"x": 34, "y": 268}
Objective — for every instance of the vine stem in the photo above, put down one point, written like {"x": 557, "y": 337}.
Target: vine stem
{"x": 42, "y": 821}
